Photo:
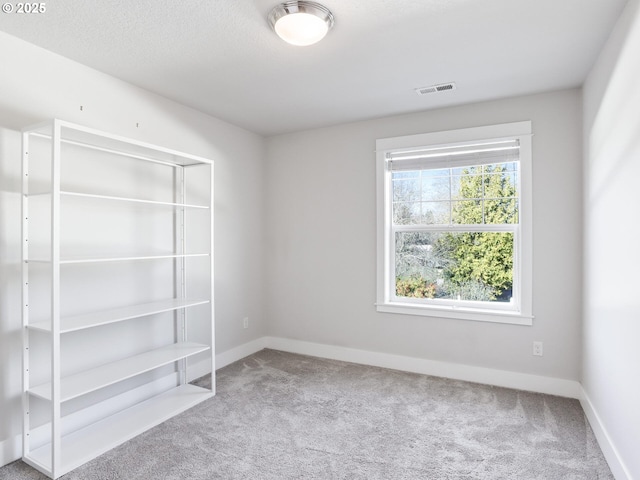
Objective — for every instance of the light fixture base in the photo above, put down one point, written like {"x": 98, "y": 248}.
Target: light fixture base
{"x": 301, "y": 23}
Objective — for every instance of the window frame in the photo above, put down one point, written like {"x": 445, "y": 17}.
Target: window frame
{"x": 517, "y": 312}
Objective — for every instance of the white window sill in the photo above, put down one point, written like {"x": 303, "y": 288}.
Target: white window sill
{"x": 474, "y": 314}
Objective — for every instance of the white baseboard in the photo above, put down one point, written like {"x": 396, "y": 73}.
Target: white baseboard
{"x": 616, "y": 464}
{"x": 225, "y": 358}
{"x": 203, "y": 367}
{"x": 487, "y": 376}
{"x": 10, "y": 450}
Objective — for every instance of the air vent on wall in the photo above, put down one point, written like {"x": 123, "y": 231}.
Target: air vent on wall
{"x": 443, "y": 87}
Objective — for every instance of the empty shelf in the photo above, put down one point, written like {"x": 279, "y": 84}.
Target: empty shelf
{"x": 90, "y": 380}
{"x": 71, "y": 260}
{"x": 95, "y": 319}
{"x": 132, "y": 200}
{"x": 85, "y": 444}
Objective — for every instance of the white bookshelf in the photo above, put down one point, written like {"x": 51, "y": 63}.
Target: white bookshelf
{"x": 104, "y": 317}
{"x": 93, "y": 379}
{"x": 118, "y": 258}
{"x": 51, "y": 152}
{"x": 121, "y": 199}
{"x": 95, "y": 439}
{"x": 133, "y": 200}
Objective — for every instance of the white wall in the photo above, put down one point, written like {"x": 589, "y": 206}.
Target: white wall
{"x": 308, "y": 214}
{"x": 321, "y": 242}
{"x": 611, "y": 366}
{"x": 37, "y": 85}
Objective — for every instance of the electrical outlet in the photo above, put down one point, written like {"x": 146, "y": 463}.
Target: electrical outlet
{"x": 537, "y": 349}
{"x": 245, "y": 322}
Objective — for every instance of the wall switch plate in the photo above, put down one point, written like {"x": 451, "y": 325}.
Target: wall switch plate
{"x": 245, "y": 322}
{"x": 537, "y": 349}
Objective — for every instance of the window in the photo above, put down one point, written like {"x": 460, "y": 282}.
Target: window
{"x": 454, "y": 224}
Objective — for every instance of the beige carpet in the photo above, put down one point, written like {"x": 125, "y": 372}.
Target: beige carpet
{"x": 285, "y": 416}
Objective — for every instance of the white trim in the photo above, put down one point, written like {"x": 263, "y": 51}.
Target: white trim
{"x": 489, "y": 376}
{"x": 463, "y": 135}
{"x": 10, "y": 450}
{"x": 468, "y": 373}
{"x": 611, "y": 454}
{"x": 522, "y": 313}
{"x": 203, "y": 367}
{"x": 477, "y": 315}
{"x": 241, "y": 351}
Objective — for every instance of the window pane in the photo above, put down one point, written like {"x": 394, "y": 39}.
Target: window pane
{"x": 473, "y": 195}
{"x": 468, "y": 184}
{"x": 471, "y": 266}
{"x": 435, "y": 185}
{"x": 499, "y": 185}
{"x": 467, "y": 212}
{"x": 501, "y": 211}
{"x": 406, "y": 189}
{"x": 436, "y": 213}
{"x": 407, "y": 213}
{"x": 510, "y": 167}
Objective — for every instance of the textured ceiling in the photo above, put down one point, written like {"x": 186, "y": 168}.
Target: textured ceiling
{"x": 221, "y": 57}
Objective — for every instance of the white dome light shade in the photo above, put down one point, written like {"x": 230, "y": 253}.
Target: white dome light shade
{"x": 301, "y": 29}
{"x": 301, "y": 23}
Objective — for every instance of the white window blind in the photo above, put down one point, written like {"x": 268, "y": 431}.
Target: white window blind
{"x": 455, "y": 156}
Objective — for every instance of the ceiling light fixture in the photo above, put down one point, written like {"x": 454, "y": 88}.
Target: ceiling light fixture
{"x": 301, "y": 23}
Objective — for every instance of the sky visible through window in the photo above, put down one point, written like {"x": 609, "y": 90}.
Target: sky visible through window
{"x": 468, "y": 263}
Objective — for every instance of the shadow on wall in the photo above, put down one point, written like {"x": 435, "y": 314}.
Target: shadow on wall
{"x": 10, "y": 293}
{"x": 610, "y": 130}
